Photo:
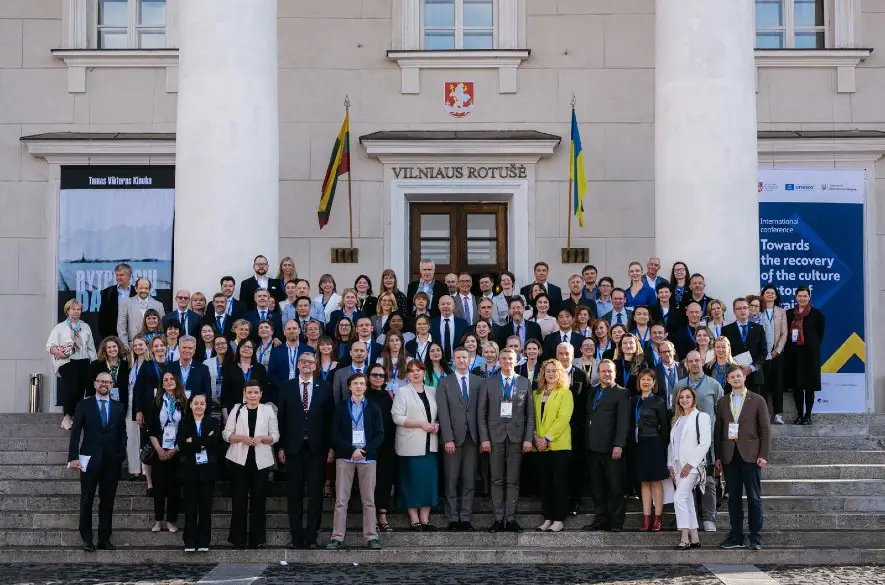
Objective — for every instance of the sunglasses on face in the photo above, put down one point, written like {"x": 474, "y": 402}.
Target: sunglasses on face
{"x": 376, "y": 375}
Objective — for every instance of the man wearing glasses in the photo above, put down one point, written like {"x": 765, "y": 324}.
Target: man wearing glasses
{"x": 189, "y": 320}
{"x": 260, "y": 280}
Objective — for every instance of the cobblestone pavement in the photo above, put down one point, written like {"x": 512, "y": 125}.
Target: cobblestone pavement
{"x": 102, "y": 574}
{"x": 827, "y": 575}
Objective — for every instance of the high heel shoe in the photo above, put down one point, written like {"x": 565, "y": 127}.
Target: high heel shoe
{"x": 646, "y": 524}
{"x": 656, "y": 526}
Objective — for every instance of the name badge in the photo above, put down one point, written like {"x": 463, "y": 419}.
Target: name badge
{"x": 795, "y": 335}
{"x": 732, "y": 431}
{"x": 202, "y": 457}
{"x": 115, "y": 394}
{"x": 506, "y": 410}
{"x": 359, "y": 437}
{"x": 218, "y": 391}
{"x": 169, "y": 437}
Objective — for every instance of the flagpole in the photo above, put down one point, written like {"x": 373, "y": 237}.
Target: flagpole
{"x": 571, "y": 187}
{"x": 349, "y": 171}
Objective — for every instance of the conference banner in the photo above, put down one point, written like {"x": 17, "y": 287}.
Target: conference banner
{"x": 109, "y": 215}
{"x": 811, "y": 232}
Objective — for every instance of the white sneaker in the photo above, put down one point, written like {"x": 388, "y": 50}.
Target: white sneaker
{"x": 778, "y": 419}
{"x": 545, "y": 526}
{"x": 709, "y": 526}
{"x": 171, "y": 527}
{"x": 203, "y": 549}
{"x": 187, "y": 549}
{"x": 67, "y": 423}
{"x": 158, "y": 526}
{"x": 556, "y": 527}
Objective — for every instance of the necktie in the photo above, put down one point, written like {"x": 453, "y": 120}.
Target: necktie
{"x": 744, "y": 333}
{"x": 264, "y": 315}
{"x": 466, "y": 309}
{"x": 620, "y": 320}
{"x": 464, "y": 395}
{"x": 304, "y": 395}
{"x": 564, "y": 338}
{"x": 104, "y": 411}
{"x": 447, "y": 342}
{"x": 219, "y": 323}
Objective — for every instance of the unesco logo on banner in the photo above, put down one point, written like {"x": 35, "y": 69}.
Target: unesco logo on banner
{"x": 795, "y": 187}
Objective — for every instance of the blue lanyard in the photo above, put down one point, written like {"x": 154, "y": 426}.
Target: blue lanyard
{"x": 473, "y": 363}
{"x": 508, "y": 389}
{"x": 643, "y": 339}
{"x": 599, "y": 394}
{"x": 698, "y": 383}
{"x": 293, "y": 357}
{"x": 691, "y": 334}
{"x": 171, "y": 354}
{"x": 394, "y": 372}
{"x": 770, "y": 314}
{"x": 418, "y": 354}
{"x": 671, "y": 377}
{"x": 356, "y": 421}
{"x": 170, "y": 409}
{"x": 626, "y": 372}
{"x": 218, "y": 376}
{"x": 678, "y": 293}
{"x": 263, "y": 351}
{"x": 184, "y": 323}
{"x": 247, "y": 375}
{"x": 656, "y": 357}
{"x": 136, "y": 367}
{"x": 325, "y": 373}
{"x": 199, "y": 425}
{"x": 639, "y": 402}
{"x": 157, "y": 370}
{"x": 601, "y": 350}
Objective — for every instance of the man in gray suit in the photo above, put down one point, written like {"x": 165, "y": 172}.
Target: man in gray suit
{"x": 358, "y": 363}
{"x": 506, "y": 428}
{"x": 131, "y": 313}
{"x": 465, "y": 303}
{"x": 457, "y": 402}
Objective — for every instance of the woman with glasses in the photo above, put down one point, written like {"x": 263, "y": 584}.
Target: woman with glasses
{"x": 380, "y": 395}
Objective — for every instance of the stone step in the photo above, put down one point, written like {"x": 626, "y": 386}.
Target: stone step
{"x": 551, "y": 554}
{"x": 821, "y": 457}
{"x": 795, "y": 443}
{"x": 568, "y": 538}
{"x": 68, "y": 520}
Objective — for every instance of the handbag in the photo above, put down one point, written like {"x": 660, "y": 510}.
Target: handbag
{"x": 147, "y": 454}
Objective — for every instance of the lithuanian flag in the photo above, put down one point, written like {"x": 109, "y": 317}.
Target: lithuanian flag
{"x": 339, "y": 164}
{"x": 577, "y": 173}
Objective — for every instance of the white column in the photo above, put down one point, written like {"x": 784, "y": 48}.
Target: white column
{"x": 706, "y": 212}
{"x": 227, "y": 160}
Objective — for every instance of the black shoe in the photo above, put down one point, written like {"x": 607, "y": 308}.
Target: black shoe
{"x": 513, "y": 526}
{"x": 106, "y": 546}
{"x": 467, "y": 527}
{"x": 806, "y": 420}
{"x": 755, "y": 545}
{"x": 428, "y": 527}
{"x": 296, "y": 544}
{"x": 798, "y": 420}
{"x": 575, "y": 509}
{"x": 497, "y": 527}
{"x": 595, "y": 527}
{"x": 88, "y": 547}
{"x": 260, "y": 545}
{"x": 311, "y": 545}
{"x": 454, "y": 526}
{"x": 616, "y": 529}
{"x": 730, "y": 543}
{"x": 150, "y": 492}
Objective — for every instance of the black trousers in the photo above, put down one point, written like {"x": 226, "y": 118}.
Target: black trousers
{"x": 167, "y": 490}
{"x": 576, "y": 474}
{"x": 104, "y": 478}
{"x": 553, "y": 468}
{"x": 74, "y": 378}
{"x": 743, "y": 476}
{"x": 607, "y": 487}
{"x": 773, "y": 371}
{"x": 198, "y": 513}
{"x": 804, "y": 400}
{"x": 305, "y": 467}
{"x": 385, "y": 471}
{"x": 248, "y": 495}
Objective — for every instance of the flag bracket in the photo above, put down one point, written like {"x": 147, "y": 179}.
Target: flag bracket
{"x": 345, "y": 255}
{"x": 575, "y": 255}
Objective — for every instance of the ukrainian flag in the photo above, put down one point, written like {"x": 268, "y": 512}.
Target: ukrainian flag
{"x": 577, "y": 173}
{"x": 339, "y": 164}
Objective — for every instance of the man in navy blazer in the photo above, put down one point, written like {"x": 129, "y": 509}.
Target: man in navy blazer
{"x": 112, "y": 297}
{"x": 518, "y": 325}
{"x": 232, "y": 306}
{"x": 457, "y": 327}
{"x": 260, "y": 280}
{"x": 189, "y": 321}
{"x": 565, "y": 334}
{"x": 305, "y": 447}
{"x": 746, "y": 336}
{"x": 283, "y": 363}
{"x": 427, "y": 283}
{"x": 194, "y": 375}
{"x": 554, "y": 293}
{"x": 261, "y": 312}
{"x": 102, "y": 423}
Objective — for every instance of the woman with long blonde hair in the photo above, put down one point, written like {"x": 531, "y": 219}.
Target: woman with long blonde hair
{"x": 554, "y": 406}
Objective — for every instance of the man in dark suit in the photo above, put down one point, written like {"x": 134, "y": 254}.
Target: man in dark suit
{"x": 189, "y": 321}
{"x": 457, "y": 401}
{"x": 447, "y": 329}
{"x": 697, "y": 285}
{"x": 305, "y": 412}
{"x": 486, "y": 307}
{"x": 608, "y": 407}
{"x": 620, "y": 313}
{"x": 577, "y": 297}
{"x": 554, "y": 293}
{"x": 218, "y": 317}
{"x": 284, "y": 359}
{"x": 358, "y": 363}
{"x": 193, "y": 374}
{"x": 434, "y": 288}
{"x": 111, "y": 299}
{"x": 506, "y": 425}
{"x": 742, "y": 442}
{"x": 669, "y": 372}
{"x": 518, "y": 325}
{"x": 684, "y": 337}
{"x": 99, "y": 458}
{"x": 746, "y": 336}
{"x": 565, "y": 334}
{"x": 465, "y": 303}
{"x": 232, "y": 306}
{"x": 260, "y": 280}
{"x": 261, "y": 312}
{"x": 651, "y": 276}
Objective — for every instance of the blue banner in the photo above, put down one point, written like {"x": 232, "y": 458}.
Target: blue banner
{"x": 811, "y": 232}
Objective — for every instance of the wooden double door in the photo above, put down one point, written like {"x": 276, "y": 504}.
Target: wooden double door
{"x": 459, "y": 237}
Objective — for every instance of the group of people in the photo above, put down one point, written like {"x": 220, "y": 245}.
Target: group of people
{"x": 442, "y": 388}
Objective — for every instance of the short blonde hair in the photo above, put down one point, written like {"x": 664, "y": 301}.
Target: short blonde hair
{"x": 561, "y": 377}
{"x": 345, "y": 292}
{"x": 72, "y": 303}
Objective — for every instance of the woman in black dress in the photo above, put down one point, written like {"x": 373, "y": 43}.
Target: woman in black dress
{"x": 651, "y": 431}
{"x": 804, "y": 336}
{"x": 199, "y": 441}
{"x": 244, "y": 369}
{"x": 385, "y": 469}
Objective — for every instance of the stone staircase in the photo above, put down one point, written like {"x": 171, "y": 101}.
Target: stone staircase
{"x": 824, "y": 498}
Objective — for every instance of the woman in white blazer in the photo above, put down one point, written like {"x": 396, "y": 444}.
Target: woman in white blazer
{"x": 251, "y": 429}
{"x": 690, "y": 438}
{"x": 414, "y": 413}
{"x": 72, "y": 349}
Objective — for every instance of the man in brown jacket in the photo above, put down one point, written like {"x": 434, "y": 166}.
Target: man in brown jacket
{"x": 743, "y": 440}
